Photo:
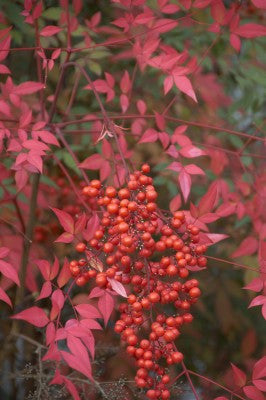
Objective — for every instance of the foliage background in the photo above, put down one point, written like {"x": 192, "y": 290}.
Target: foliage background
{"x": 231, "y": 88}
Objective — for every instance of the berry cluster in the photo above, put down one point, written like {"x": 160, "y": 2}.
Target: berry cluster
{"x": 137, "y": 245}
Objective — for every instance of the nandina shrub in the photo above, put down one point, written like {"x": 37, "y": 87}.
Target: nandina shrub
{"x": 117, "y": 257}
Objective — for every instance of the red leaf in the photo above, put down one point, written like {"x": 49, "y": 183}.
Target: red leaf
{"x": 80, "y": 224}
{"x": 118, "y": 287}
{"x": 77, "y": 5}
{"x": 184, "y": 85}
{"x": 87, "y": 311}
{"x": 65, "y": 220}
{"x": 92, "y": 226}
{"x": 247, "y": 247}
{"x": 28, "y": 88}
{"x": 251, "y": 30}
{"x": 50, "y": 30}
{"x": 34, "y": 315}
{"x": 65, "y": 238}
{"x": 4, "y": 297}
{"x": 239, "y": 376}
{"x": 106, "y": 306}
{"x": 253, "y": 393}
{"x": 207, "y": 202}
{"x": 9, "y": 271}
{"x": 185, "y": 183}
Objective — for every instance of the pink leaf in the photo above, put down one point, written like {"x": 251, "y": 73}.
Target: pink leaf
{"x": 44, "y": 268}
{"x": 235, "y": 42}
{"x": 239, "y": 376}
{"x": 9, "y": 271}
{"x": 226, "y": 209}
{"x": 25, "y": 119}
{"x": 48, "y": 137}
{"x": 4, "y": 69}
{"x": 92, "y": 162}
{"x": 175, "y": 203}
{"x": 253, "y": 393}
{"x": 184, "y": 85}
{"x": 168, "y": 84}
{"x": 185, "y": 183}
{"x": 77, "y": 363}
{"x": 258, "y": 301}
{"x": 4, "y": 297}
{"x": 124, "y": 102}
{"x": 221, "y": 398}
{"x": 247, "y": 247}
{"x": 259, "y": 4}
{"x": 141, "y": 105}
{"x": 45, "y": 291}
{"x": 71, "y": 388}
{"x": 106, "y": 305}
{"x": 4, "y": 252}
{"x": 149, "y": 136}
{"x": 256, "y": 285}
{"x": 34, "y": 315}
{"x": 65, "y": 220}
{"x": 193, "y": 169}
{"x": 28, "y": 88}
{"x": 259, "y": 369}
{"x": 87, "y": 311}
{"x": 191, "y": 151}
{"x": 216, "y": 237}
{"x": 125, "y": 83}
{"x": 50, "y": 30}
{"x": 250, "y": 30}
{"x": 58, "y": 300}
{"x": 118, "y": 287}
{"x": 54, "y": 269}
{"x": 91, "y": 323}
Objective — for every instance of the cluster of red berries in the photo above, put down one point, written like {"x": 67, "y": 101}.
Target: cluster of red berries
{"x": 137, "y": 244}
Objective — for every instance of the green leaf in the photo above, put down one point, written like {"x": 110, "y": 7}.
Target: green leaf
{"x": 52, "y": 13}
